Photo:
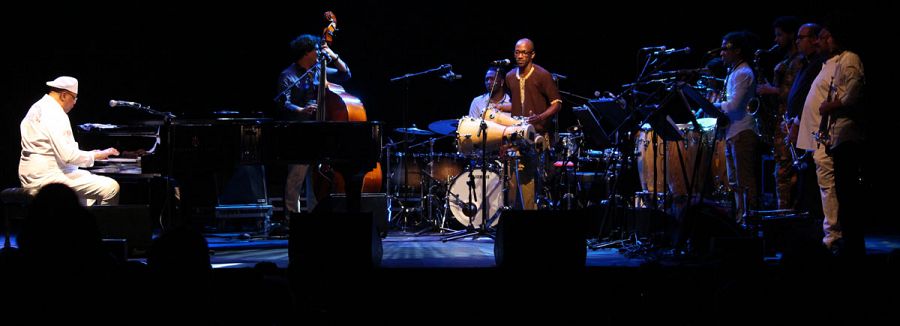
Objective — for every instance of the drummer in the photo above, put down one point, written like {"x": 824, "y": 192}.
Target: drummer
{"x": 494, "y": 91}
{"x": 534, "y": 96}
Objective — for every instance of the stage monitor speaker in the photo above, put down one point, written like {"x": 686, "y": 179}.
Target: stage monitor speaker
{"x": 550, "y": 240}
{"x": 129, "y": 222}
{"x": 375, "y": 203}
{"x": 245, "y": 186}
{"x": 327, "y": 241}
{"x": 707, "y": 230}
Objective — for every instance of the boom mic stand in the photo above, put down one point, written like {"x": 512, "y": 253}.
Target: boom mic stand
{"x": 408, "y": 138}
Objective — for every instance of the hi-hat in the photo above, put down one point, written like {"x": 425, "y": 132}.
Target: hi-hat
{"x": 414, "y": 131}
{"x": 444, "y": 127}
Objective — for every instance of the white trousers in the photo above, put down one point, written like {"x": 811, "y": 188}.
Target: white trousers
{"x": 825, "y": 176}
{"x": 91, "y": 188}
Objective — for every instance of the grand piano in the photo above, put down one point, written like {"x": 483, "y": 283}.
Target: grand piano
{"x": 201, "y": 155}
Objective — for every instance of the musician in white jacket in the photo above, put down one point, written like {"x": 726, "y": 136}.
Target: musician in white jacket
{"x": 50, "y": 153}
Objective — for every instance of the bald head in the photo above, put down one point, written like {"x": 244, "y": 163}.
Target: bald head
{"x": 808, "y": 38}
{"x": 526, "y": 43}
{"x": 524, "y": 53}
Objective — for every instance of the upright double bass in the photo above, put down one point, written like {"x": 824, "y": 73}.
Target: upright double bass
{"x": 335, "y": 104}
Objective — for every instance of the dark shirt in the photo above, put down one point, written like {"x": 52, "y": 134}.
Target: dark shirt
{"x": 802, "y": 83}
{"x": 540, "y": 91}
{"x": 304, "y": 92}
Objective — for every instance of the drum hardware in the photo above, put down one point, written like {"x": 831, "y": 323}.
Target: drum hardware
{"x": 430, "y": 182}
{"x": 570, "y": 166}
{"x": 393, "y": 196}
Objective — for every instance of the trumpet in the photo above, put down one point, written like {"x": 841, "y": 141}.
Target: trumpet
{"x": 822, "y": 135}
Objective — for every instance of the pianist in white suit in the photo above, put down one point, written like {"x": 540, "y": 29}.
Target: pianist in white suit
{"x": 50, "y": 153}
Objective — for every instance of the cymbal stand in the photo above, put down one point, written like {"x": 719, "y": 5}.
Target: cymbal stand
{"x": 428, "y": 197}
{"x": 392, "y": 195}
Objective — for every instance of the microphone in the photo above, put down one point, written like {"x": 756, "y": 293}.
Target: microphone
{"x": 770, "y": 50}
{"x": 501, "y": 63}
{"x": 679, "y": 73}
{"x": 451, "y": 76}
{"x": 684, "y": 50}
{"x": 558, "y": 76}
{"x": 714, "y": 51}
{"x": 115, "y": 103}
{"x": 654, "y": 48}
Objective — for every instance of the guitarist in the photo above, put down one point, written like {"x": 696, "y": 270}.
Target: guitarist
{"x": 836, "y": 93}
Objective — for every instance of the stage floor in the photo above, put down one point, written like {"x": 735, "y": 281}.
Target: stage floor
{"x": 407, "y": 250}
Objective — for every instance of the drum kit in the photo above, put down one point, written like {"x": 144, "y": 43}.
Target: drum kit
{"x": 442, "y": 191}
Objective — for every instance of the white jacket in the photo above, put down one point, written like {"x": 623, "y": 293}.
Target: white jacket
{"x": 49, "y": 150}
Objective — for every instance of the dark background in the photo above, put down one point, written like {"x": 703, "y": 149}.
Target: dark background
{"x": 192, "y": 61}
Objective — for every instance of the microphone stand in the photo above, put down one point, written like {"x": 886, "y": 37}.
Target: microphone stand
{"x": 651, "y": 63}
{"x": 168, "y": 118}
{"x": 420, "y": 73}
{"x": 301, "y": 78}
{"x": 486, "y": 221}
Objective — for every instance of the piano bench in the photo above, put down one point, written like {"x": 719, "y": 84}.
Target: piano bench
{"x": 15, "y": 202}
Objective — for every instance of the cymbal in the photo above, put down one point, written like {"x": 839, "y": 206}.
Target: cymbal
{"x": 444, "y": 127}
{"x": 414, "y": 131}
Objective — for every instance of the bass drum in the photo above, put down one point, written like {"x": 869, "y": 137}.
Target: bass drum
{"x": 465, "y": 197}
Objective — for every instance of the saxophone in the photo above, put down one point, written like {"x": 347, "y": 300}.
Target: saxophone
{"x": 767, "y": 120}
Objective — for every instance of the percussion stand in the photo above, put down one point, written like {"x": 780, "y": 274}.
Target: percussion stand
{"x": 615, "y": 165}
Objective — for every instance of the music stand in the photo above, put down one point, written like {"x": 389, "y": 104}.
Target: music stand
{"x": 709, "y": 109}
{"x": 690, "y": 93}
{"x": 600, "y": 119}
